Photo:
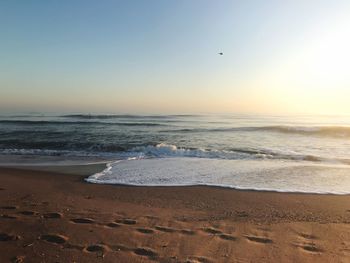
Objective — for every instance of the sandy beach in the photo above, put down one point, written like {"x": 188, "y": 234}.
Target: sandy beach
{"x": 175, "y": 131}
{"x": 57, "y": 217}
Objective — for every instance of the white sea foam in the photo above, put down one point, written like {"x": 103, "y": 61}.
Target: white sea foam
{"x": 271, "y": 175}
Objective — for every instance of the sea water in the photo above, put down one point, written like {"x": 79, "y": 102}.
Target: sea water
{"x": 278, "y": 153}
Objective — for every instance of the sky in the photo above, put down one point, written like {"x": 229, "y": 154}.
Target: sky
{"x": 159, "y": 56}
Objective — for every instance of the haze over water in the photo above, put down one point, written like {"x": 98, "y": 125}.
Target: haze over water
{"x": 282, "y": 153}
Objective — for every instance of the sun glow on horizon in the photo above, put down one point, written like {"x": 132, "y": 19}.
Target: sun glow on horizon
{"x": 310, "y": 77}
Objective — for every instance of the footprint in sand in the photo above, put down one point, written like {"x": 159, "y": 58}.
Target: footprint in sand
{"x": 145, "y": 252}
{"x": 96, "y": 248}
{"x": 54, "y": 238}
{"x": 227, "y": 237}
{"x": 82, "y": 220}
{"x": 52, "y": 215}
{"x": 7, "y": 237}
{"x": 308, "y": 243}
{"x": 113, "y": 225}
{"x": 222, "y": 235}
{"x": 309, "y": 247}
{"x": 145, "y": 230}
{"x": 212, "y": 231}
{"x": 28, "y": 213}
{"x": 258, "y": 239}
{"x": 126, "y": 221}
{"x": 187, "y": 232}
{"x": 165, "y": 229}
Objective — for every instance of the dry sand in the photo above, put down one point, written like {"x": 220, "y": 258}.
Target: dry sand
{"x": 56, "y": 217}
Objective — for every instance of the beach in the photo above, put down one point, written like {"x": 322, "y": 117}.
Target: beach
{"x": 55, "y": 216}
{"x": 175, "y": 131}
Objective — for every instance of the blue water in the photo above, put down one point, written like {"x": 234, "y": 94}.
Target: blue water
{"x": 235, "y": 142}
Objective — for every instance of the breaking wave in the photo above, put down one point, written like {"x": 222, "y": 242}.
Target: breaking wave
{"x": 165, "y": 151}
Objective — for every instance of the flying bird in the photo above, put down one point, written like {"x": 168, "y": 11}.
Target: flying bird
{"x": 221, "y": 53}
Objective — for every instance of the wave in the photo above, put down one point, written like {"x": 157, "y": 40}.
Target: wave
{"x": 333, "y": 131}
{"x": 125, "y": 116}
{"x": 337, "y": 131}
{"x": 166, "y": 121}
{"x": 60, "y": 146}
{"x": 165, "y": 150}
{"x": 160, "y": 151}
{"x": 32, "y": 122}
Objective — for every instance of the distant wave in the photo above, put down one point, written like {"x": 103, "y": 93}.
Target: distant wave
{"x": 32, "y": 122}
{"x": 165, "y": 120}
{"x": 337, "y": 131}
{"x": 125, "y": 116}
{"x": 333, "y": 131}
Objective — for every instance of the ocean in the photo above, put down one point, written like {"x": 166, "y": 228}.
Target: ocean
{"x": 277, "y": 153}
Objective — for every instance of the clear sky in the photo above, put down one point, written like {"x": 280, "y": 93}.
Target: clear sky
{"x": 162, "y": 56}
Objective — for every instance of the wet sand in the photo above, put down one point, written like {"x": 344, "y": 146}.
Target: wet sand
{"x": 57, "y": 217}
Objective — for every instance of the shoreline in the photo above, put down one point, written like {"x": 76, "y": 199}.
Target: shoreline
{"x": 47, "y": 216}
{"x": 85, "y": 169}
{"x": 88, "y": 169}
